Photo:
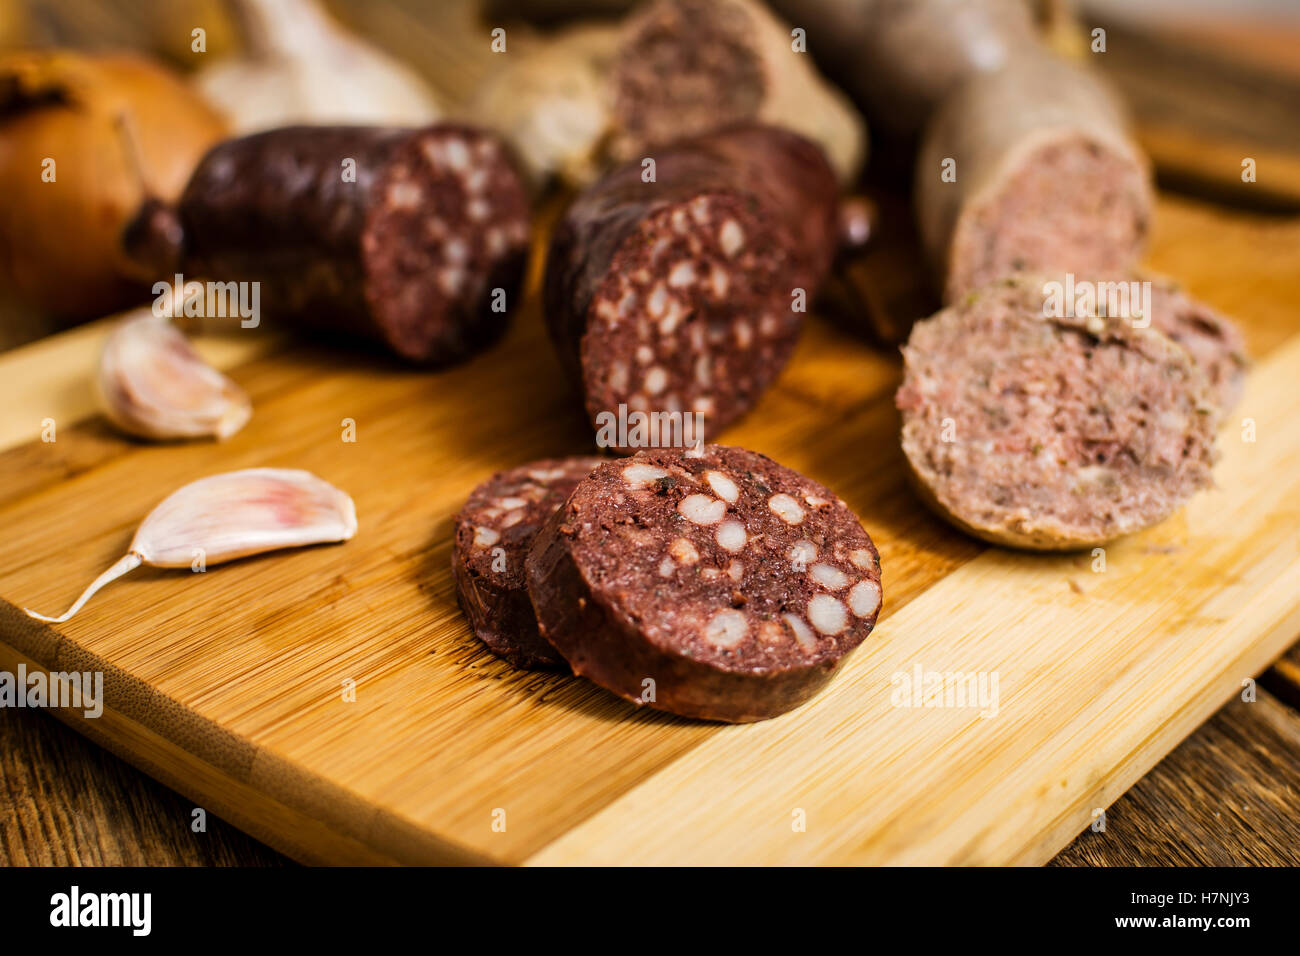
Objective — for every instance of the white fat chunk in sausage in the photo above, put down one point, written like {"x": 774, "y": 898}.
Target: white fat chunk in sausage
{"x": 456, "y": 251}
{"x": 658, "y": 301}
{"x": 731, "y": 238}
{"x": 639, "y": 475}
{"x": 405, "y": 196}
{"x": 485, "y": 537}
{"x": 512, "y": 519}
{"x": 736, "y": 571}
{"x": 701, "y": 509}
{"x": 827, "y": 614}
{"x": 478, "y": 209}
{"x": 510, "y": 503}
{"x": 770, "y": 632}
{"x": 862, "y": 559}
{"x": 670, "y": 321}
{"x": 864, "y": 598}
{"x": 786, "y": 508}
{"x": 828, "y": 576}
{"x": 682, "y": 275}
{"x": 666, "y": 567}
{"x": 683, "y": 551}
{"x": 744, "y": 334}
{"x": 451, "y": 279}
{"x": 719, "y": 282}
{"x": 656, "y": 380}
{"x": 456, "y": 154}
{"x": 722, "y": 486}
{"x": 802, "y": 554}
{"x": 802, "y": 633}
{"x": 732, "y": 536}
{"x": 726, "y": 628}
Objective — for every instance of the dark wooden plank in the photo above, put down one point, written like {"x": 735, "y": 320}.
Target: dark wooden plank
{"x": 1283, "y": 678}
{"x": 1229, "y": 795}
{"x": 66, "y": 802}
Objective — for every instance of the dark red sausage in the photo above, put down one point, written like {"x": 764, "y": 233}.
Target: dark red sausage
{"x": 409, "y": 254}
{"x": 494, "y": 531}
{"x": 679, "y": 294}
{"x": 723, "y": 586}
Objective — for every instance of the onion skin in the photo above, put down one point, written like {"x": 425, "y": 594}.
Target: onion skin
{"x": 120, "y": 129}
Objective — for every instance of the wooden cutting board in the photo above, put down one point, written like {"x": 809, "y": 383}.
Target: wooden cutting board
{"x": 228, "y": 685}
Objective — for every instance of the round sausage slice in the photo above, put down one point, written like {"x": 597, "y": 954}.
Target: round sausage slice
{"x": 494, "y": 531}
{"x": 722, "y": 586}
{"x": 1046, "y": 178}
{"x": 1051, "y": 433}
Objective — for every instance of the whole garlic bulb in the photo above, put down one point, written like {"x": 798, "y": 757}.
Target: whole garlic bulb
{"x": 303, "y": 68}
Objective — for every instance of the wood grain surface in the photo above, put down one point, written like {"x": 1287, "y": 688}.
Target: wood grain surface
{"x": 1226, "y": 796}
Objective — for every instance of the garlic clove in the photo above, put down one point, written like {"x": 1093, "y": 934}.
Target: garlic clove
{"x": 239, "y": 513}
{"x": 153, "y": 384}
{"x": 229, "y": 516}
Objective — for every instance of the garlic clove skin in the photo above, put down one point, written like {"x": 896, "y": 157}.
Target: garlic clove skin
{"x": 240, "y": 513}
{"x": 230, "y": 516}
{"x": 152, "y": 384}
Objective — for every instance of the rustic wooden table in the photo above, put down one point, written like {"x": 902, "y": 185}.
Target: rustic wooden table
{"x": 1228, "y": 795}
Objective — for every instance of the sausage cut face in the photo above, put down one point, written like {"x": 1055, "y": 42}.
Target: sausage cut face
{"x": 1051, "y": 433}
{"x": 694, "y": 314}
{"x": 722, "y": 586}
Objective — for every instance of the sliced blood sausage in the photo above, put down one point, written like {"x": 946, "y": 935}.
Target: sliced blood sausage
{"x": 1051, "y": 433}
{"x": 721, "y": 586}
{"x": 680, "y": 294}
{"x": 398, "y": 236}
{"x": 1046, "y": 178}
{"x": 493, "y": 534}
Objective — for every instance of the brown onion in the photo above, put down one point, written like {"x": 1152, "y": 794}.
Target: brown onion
{"x": 118, "y": 128}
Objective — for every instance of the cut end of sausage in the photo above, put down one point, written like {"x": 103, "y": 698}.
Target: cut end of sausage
{"x": 444, "y": 243}
{"x": 1051, "y": 433}
{"x": 493, "y": 533}
{"x": 692, "y": 316}
{"x": 721, "y": 586}
{"x": 1070, "y": 202}
{"x": 685, "y": 67}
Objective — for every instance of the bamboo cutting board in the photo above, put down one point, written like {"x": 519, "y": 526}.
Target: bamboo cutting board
{"x": 228, "y": 685}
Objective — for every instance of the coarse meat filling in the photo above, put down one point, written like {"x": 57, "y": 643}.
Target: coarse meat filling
{"x": 1080, "y": 429}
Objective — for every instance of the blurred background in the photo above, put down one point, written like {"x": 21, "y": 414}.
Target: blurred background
{"x": 1208, "y": 81}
